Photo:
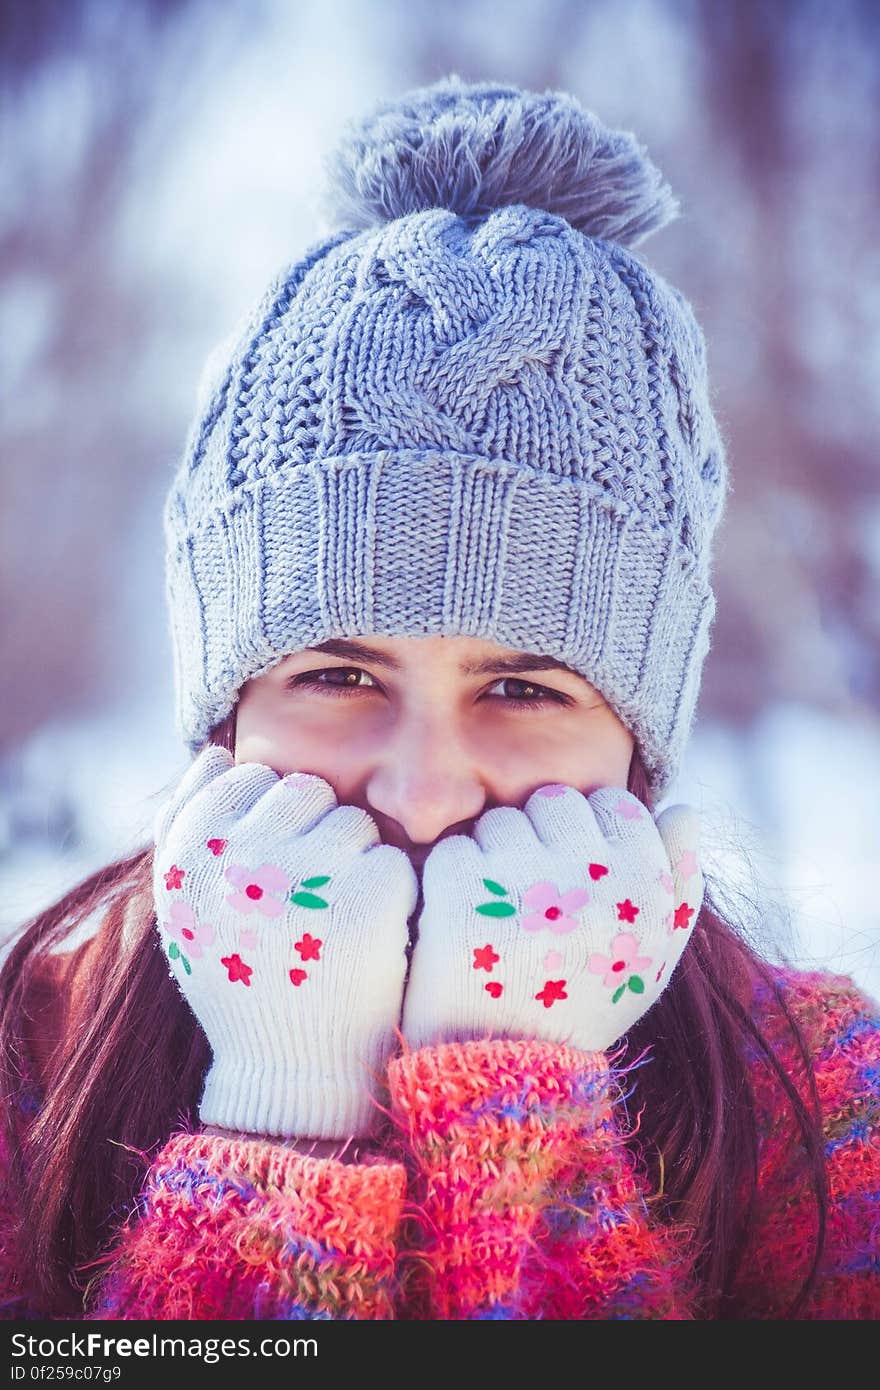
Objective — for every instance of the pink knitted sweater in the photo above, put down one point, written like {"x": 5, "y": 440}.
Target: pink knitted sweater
{"x": 520, "y": 1195}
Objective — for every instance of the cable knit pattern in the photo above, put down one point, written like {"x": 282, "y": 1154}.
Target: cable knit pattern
{"x": 526, "y": 1199}
{"x": 496, "y": 426}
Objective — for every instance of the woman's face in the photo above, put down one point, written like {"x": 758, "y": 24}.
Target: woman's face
{"x": 427, "y": 733}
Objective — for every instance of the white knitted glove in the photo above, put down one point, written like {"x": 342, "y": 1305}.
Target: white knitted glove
{"x": 562, "y": 922}
{"x": 285, "y": 923}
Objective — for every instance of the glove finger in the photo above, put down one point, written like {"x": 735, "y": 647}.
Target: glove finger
{"x": 391, "y": 880}
{"x": 225, "y": 800}
{"x": 467, "y": 892}
{"x": 210, "y": 763}
{"x": 452, "y": 860}
{"x": 344, "y": 831}
{"x": 294, "y": 805}
{"x": 504, "y": 828}
{"x": 625, "y": 821}
{"x": 562, "y": 815}
{"x": 680, "y": 831}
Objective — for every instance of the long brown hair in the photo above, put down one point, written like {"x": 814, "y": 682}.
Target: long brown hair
{"x": 133, "y": 1072}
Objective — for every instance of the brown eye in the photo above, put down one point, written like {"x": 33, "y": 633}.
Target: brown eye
{"x": 528, "y": 695}
{"x": 346, "y": 680}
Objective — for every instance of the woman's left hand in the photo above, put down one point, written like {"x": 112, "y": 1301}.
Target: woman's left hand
{"x": 562, "y": 922}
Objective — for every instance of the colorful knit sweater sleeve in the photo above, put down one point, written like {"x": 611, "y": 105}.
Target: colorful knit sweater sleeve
{"x": 227, "y": 1229}
{"x": 528, "y": 1200}
{"x": 244, "y": 1229}
{"x": 841, "y": 1029}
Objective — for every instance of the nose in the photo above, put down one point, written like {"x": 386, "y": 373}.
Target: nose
{"x": 426, "y": 778}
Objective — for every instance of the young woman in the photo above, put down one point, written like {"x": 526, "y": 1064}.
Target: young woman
{"x": 412, "y": 1008}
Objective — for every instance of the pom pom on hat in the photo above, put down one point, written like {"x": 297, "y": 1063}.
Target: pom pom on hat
{"x": 476, "y": 147}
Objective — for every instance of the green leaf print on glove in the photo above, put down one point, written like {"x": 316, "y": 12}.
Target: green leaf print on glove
{"x": 308, "y": 899}
{"x": 496, "y": 909}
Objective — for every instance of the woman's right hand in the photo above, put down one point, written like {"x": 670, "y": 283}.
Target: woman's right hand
{"x": 285, "y": 923}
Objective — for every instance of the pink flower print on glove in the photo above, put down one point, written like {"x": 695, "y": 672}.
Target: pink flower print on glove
{"x": 619, "y": 970}
{"x": 551, "y": 909}
{"x": 184, "y": 928}
{"x": 687, "y": 865}
{"x": 256, "y": 887}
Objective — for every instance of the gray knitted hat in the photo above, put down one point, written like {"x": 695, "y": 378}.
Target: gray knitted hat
{"x": 472, "y": 409}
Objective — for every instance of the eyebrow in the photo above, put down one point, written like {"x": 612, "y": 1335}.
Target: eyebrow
{"x": 516, "y": 661}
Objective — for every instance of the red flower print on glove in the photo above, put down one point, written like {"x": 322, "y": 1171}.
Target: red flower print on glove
{"x": 627, "y": 911}
{"x": 553, "y": 990}
{"x": 174, "y": 877}
{"x": 551, "y": 910}
{"x": 256, "y": 887}
{"x": 683, "y": 915}
{"x": 237, "y": 969}
{"x": 310, "y": 947}
{"x": 485, "y": 957}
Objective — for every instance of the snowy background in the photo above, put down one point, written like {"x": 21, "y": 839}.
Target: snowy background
{"x": 163, "y": 159}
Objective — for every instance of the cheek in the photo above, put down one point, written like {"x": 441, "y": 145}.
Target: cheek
{"x": 605, "y": 756}
{"x": 305, "y": 744}
{"x": 262, "y": 735}
{"x": 607, "y": 764}
{"x": 593, "y": 752}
